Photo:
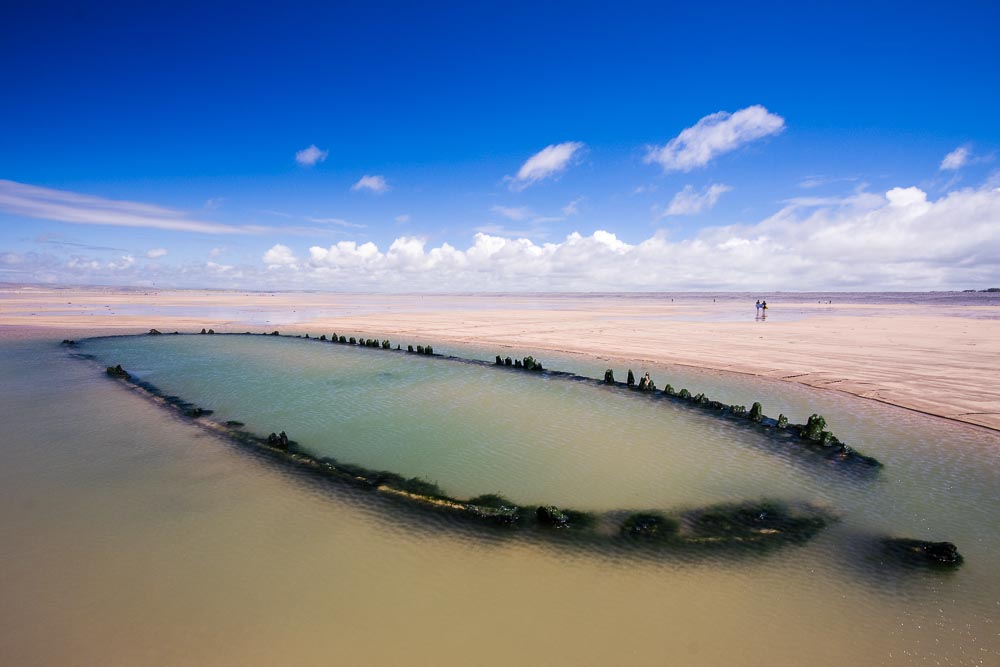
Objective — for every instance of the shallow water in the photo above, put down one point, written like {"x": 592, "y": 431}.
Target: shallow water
{"x": 131, "y": 536}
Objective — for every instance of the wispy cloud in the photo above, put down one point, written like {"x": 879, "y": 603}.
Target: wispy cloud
{"x": 307, "y": 157}
{"x": 550, "y": 161}
{"x": 214, "y": 203}
{"x": 156, "y": 253}
{"x": 280, "y": 214}
{"x": 335, "y": 221}
{"x": 691, "y": 202}
{"x": 376, "y": 184}
{"x": 512, "y": 213}
{"x": 572, "y": 208}
{"x": 714, "y": 135}
{"x": 405, "y": 217}
{"x": 810, "y": 182}
{"x": 963, "y": 157}
{"x": 56, "y": 239}
{"x": 62, "y": 206}
{"x": 956, "y": 159}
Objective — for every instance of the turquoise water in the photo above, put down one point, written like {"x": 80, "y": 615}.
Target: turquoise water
{"x": 130, "y": 536}
{"x": 469, "y": 428}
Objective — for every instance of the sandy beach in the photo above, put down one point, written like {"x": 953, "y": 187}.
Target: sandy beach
{"x": 941, "y": 360}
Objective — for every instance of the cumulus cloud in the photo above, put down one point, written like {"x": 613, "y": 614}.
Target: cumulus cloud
{"x": 62, "y": 206}
{"x": 956, "y": 159}
{"x": 376, "y": 184}
{"x": 550, "y": 161}
{"x": 901, "y": 239}
{"x": 279, "y": 255}
{"x": 307, "y": 157}
{"x": 156, "y": 253}
{"x": 896, "y": 243}
{"x": 714, "y": 135}
{"x": 691, "y": 202}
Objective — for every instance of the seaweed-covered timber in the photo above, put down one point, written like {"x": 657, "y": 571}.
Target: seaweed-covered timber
{"x": 811, "y": 437}
{"x": 760, "y": 526}
{"x": 279, "y": 440}
{"x": 650, "y": 526}
{"x": 919, "y": 553}
{"x": 527, "y": 363}
{"x": 645, "y": 384}
{"x": 118, "y": 372}
{"x": 68, "y": 343}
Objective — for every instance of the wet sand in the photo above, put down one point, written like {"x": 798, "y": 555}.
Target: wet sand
{"x": 940, "y": 360}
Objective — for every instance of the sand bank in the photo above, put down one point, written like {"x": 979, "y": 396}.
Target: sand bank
{"x": 941, "y": 360}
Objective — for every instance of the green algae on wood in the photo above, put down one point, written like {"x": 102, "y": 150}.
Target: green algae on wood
{"x": 487, "y": 509}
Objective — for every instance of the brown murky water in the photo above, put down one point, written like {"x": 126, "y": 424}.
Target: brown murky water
{"x": 129, "y": 537}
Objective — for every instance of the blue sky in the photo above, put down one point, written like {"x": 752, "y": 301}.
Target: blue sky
{"x": 378, "y": 146}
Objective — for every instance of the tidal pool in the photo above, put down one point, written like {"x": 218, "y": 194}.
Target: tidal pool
{"x": 130, "y": 535}
{"x": 475, "y": 429}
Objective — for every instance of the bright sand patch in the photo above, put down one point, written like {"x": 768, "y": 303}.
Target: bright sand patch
{"x": 942, "y": 360}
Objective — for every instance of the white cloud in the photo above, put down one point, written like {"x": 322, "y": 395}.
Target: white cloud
{"x": 519, "y": 213}
{"x": 340, "y": 222}
{"x": 903, "y": 197}
{"x": 307, "y": 157}
{"x": 956, "y": 159}
{"x": 402, "y": 218}
{"x": 279, "y": 255}
{"x": 376, "y": 184}
{"x": 156, "y": 253}
{"x": 60, "y": 205}
{"x": 714, "y": 135}
{"x": 690, "y": 202}
{"x": 550, "y": 161}
{"x": 215, "y": 252}
{"x": 214, "y": 203}
{"x": 572, "y": 208}
{"x": 524, "y": 233}
{"x": 903, "y": 242}
{"x": 124, "y": 262}
{"x": 899, "y": 240}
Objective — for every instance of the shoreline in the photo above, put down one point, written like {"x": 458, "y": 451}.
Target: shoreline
{"x": 937, "y": 361}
